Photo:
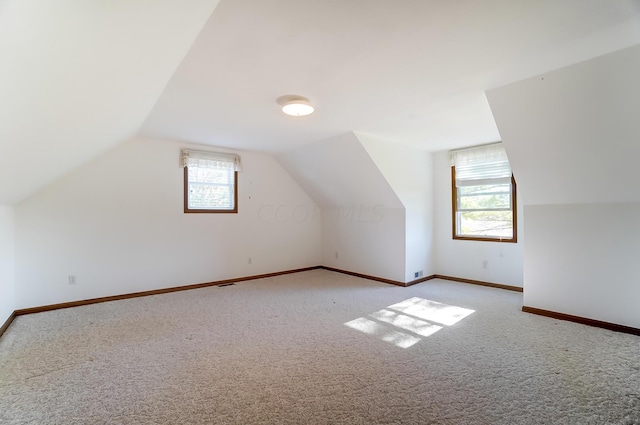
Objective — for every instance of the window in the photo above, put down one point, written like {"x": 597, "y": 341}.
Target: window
{"x": 484, "y": 194}
{"x": 210, "y": 182}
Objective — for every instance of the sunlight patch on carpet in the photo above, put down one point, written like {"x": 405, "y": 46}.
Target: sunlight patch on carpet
{"x": 431, "y": 310}
{"x": 408, "y": 323}
{"x": 385, "y": 333}
{"x": 420, "y": 317}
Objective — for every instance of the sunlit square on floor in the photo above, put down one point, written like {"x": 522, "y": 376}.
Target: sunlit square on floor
{"x": 415, "y": 315}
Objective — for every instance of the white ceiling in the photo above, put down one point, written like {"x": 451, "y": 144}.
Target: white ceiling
{"x": 412, "y": 72}
{"x": 78, "y": 77}
{"x": 337, "y": 185}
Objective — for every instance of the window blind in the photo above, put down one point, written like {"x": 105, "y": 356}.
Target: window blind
{"x": 212, "y": 160}
{"x": 487, "y": 164}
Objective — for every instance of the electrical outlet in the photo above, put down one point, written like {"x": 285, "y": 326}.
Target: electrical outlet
{"x": 336, "y": 255}
{"x": 250, "y": 261}
{"x": 485, "y": 264}
{"x": 418, "y": 274}
{"x": 72, "y": 279}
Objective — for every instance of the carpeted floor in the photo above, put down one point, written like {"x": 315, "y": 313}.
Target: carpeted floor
{"x": 316, "y": 348}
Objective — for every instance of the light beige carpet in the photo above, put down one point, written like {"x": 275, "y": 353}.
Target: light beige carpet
{"x": 316, "y": 348}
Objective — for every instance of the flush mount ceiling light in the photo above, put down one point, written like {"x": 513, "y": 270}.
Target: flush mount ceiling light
{"x": 296, "y": 106}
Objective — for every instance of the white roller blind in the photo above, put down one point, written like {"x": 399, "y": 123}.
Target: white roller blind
{"x": 481, "y": 165}
{"x": 215, "y": 160}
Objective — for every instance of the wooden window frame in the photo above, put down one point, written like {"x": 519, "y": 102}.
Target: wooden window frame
{"x": 219, "y": 211}
{"x": 454, "y": 218}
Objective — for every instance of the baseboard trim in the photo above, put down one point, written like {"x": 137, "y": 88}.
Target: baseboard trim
{"x": 78, "y": 303}
{"x": 481, "y": 283}
{"x": 6, "y": 324}
{"x": 422, "y": 279}
{"x": 364, "y": 276}
{"x": 582, "y": 320}
{"x": 378, "y": 279}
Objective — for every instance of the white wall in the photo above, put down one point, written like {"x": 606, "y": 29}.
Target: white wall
{"x": 106, "y": 67}
{"x": 363, "y": 219}
{"x": 572, "y": 137}
{"x": 590, "y": 267}
{"x": 367, "y": 239}
{"x": 464, "y": 259}
{"x": 117, "y": 224}
{"x": 410, "y": 173}
{"x": 339, "y": 172}
{"x": 7, "y": 299}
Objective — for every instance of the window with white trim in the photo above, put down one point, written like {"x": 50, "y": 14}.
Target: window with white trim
{"x": 484, "y": 194}
{"x": 210, "y": 182}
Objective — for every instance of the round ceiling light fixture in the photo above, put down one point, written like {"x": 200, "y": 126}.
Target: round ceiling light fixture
{"x": 296, "y": 106}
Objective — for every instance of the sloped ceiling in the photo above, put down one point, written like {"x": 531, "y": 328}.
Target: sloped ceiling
{"x": 413, "y": 72}
{"x": 78, "y": 77}
{"x": 339, "y": 172}
{"x": 572, "y": 135}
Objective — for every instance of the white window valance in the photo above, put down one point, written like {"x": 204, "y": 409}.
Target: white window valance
{"x": 205, "y": 159}
{"x": 481, "y": 165}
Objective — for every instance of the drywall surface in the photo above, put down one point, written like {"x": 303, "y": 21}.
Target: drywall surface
{"x": 117, "y": 225}
{"x": 465, "y": 259}
{"x": 7, "y": 299}
{"x": 363, "y": 219}
{"x": 365, "y": 239}
{"x": 590, "y": 267}
{"x": 339, "y": 172}
{"x": 572, "y": 139}
{"x": 80, "y": 71}
{"x": 572, "y": 135}
{"x": 410, "y": 173}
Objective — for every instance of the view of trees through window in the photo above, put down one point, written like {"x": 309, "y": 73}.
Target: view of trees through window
{"x": 211, "y": 189}
{"x": 485, "y": 211}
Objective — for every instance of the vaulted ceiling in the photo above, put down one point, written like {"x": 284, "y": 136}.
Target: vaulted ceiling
{"x": 79, "y": 77}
